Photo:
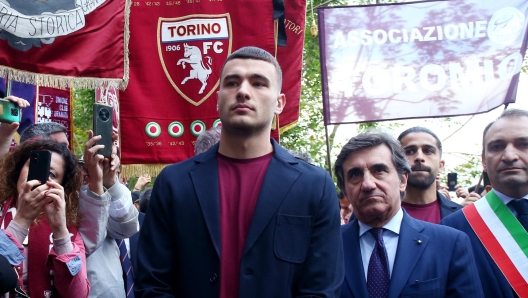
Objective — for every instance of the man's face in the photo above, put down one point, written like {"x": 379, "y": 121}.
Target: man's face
{"x": 60, "y": 137}
{"x": 249, "y": 97}
{"x": 505, "y": 157}
{"x": 372, "y": 185}
{"x": 344, "y": 204}
{"x": 423, "y": 155}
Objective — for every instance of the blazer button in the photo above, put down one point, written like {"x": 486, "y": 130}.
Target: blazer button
{"x": 213, "y": 277}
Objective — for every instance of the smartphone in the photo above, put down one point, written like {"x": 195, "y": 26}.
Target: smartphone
{"x": 39, "y": 166}
{"x": 451, "y": 181}
{"x": 9, "y": 111}
{"x": 102, "y": 125}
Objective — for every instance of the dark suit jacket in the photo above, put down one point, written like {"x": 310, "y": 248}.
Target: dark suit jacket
{"x": 293, "y": 247}
{"x": 493, "y": 281}
{"x": 442, "y": 265}
{"x": 447, "y": 206}
{"x": 133, "y": 241}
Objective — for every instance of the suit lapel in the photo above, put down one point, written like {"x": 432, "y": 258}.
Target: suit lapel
{"x": 272, "y": 193}
{"x": 205, "y": 181}
{"x": 411, "y": 245}
{"x": 354, "y": 270}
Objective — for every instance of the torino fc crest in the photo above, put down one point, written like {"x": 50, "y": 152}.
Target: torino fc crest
{"x": 192, "y": 50}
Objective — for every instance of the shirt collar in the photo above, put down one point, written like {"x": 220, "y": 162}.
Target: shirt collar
{"x": 504, "y": 198}
{"x": 393, "y": 225}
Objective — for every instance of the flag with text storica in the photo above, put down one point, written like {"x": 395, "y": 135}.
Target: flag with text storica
{"x": 420, "y": 59}
{"x": 64, "y": 43}
{"x": 177, "y": 49}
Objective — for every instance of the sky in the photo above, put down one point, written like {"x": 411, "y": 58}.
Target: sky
{"x": 457, "y": 136}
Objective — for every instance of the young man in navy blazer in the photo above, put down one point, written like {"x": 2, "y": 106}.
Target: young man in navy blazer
{"x": 387, "y": 252}
{"x": 245, "y": 218}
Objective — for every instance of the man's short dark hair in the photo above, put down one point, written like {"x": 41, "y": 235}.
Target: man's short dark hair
{"x": 422, "y": 129}
{"x": 301, "y": 155}
{"x": 207, "y": 140}
{"x": 41, "y": 130}
{"x": 340, "y": 195}
{"x": 144, "y": 200}
{"x": 509, "y": 113}
{"x": 370, "y": 140}
{"x": 256, "y": 54}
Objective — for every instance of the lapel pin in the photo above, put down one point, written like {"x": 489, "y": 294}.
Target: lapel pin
{"x": 419, "y": 241}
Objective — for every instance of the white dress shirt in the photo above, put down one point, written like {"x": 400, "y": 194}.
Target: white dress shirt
{"x": 391, "y": 235}
{"x": 505, "y": 199}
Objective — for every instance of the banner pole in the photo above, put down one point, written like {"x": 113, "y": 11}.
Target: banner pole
{"x": 328, "y": 152}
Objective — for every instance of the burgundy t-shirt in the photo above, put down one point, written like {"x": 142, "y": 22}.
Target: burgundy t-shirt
{"x": 427, "y": 212}
{"x": 239, "y": 181}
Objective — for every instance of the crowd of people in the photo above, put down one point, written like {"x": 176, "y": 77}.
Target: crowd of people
{"x": 245, "y": 217}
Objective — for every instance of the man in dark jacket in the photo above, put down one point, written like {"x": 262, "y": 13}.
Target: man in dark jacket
{"x": 424, "y": 153}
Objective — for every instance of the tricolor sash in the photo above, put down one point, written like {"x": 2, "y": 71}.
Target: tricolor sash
{"x": 503, "y": 237}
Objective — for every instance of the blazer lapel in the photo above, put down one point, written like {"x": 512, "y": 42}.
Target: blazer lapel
{"x": 205, "y": 181}
{"x": 272, "y": 193}
{"x": 355, "y": 281}
{"x": 411, "y": 245}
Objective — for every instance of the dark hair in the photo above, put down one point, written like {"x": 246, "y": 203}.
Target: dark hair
{"x": 144, "y": 200}
{"x": 41, "y": 130}
{"x": 256, "y": 54}
{"x": 13, "y": 162}
{"x": 369, "y": 140}
{"x": 207, "y": 140}
{"x": 302, "y": 156}
{"x": 422, "y": 129}
{"x": 510, "y": 113}
{"x": 340, "y": 195}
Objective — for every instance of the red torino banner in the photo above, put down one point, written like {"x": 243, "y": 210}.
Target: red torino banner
{"x": 74, "y": 43}
{"x": 177, "y": 49}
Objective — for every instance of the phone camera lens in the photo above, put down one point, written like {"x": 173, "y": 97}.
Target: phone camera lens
{"x": 104, "y": 114}
{"x": 14, "y": 112}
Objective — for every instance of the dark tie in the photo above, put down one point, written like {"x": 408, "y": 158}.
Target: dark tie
{"x": 378, "y": 278}
{"x": 521, "y": 206}
{"x": 128, "y": 273}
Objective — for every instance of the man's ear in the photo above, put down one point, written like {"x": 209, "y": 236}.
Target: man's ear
{"x": 403, "y": 182}
{"x": 217, "y": 100}
{"x": 485, "y": 168}
{"x": 442, "y": 164}
{"x": 281, "y": 102}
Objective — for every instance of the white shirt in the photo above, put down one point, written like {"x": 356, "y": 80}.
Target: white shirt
{"x": 505, "y": 199}
{"x": 391, "y": 235}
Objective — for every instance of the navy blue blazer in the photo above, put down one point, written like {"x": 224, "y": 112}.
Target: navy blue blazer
{"x": 293, "y": 246}
{"x": 493, "y": 281}
{"x": 441, "y": 265}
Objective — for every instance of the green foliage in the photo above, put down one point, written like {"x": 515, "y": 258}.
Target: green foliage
{"x": 83, "y": 101}
{"x": 468, "y": 172}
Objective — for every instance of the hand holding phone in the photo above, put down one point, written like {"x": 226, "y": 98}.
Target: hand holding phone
{"x": 102, "y": 126}
{"x": 39, "y": 166}
{"x": 9, "y": 111}
{"x": 452, "y": 181}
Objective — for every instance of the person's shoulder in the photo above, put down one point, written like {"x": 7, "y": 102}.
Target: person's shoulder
{"x": 432, "y": 229}
{"x": 454, "y": 219}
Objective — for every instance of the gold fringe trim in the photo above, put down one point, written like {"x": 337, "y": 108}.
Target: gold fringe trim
{"x": 137, "y": 170}
{"x": 62, "y": 82}
{"x": 288, "y": 127}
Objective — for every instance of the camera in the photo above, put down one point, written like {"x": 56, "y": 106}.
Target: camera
{"x": 104, "y": 114}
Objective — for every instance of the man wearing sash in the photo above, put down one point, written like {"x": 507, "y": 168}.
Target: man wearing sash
{"x": 497, "y": 224}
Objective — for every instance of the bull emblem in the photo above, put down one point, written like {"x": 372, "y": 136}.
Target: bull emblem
{"x": 200, "y": 70}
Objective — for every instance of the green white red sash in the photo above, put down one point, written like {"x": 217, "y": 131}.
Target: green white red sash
{"x": 503, "y": 237}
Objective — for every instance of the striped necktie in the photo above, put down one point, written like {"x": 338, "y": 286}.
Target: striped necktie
{"x": 128, "y": 272}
